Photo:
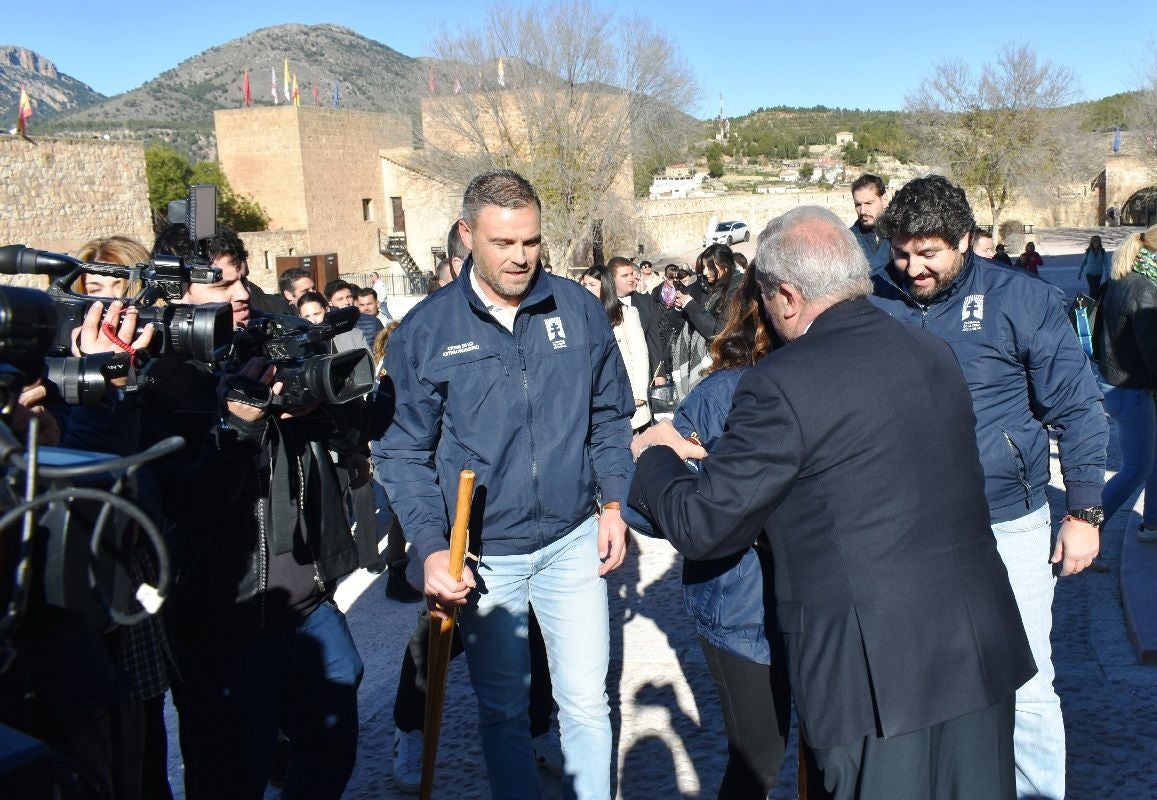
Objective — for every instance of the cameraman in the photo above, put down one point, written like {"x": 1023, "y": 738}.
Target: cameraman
{"x": 259, "y": 540}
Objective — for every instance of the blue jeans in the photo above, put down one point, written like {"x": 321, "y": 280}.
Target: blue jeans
{"x": 1025, "y": 545}
{"x": 238, "y": 689}
{"x": 1133, "y": 411}
{"x": 570, "y": 600}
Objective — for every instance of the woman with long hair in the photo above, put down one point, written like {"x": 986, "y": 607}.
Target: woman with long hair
{"x": 704, "y": 315}
{"x": 1094, "y": 264}
{"x": 732, "y": 600}
{"x": 628, "y": 330}
{"x": 119, "y": 250}
{"x": 1125, "y": 342}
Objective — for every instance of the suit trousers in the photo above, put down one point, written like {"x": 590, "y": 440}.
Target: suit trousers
{"x": 965, "y": 758}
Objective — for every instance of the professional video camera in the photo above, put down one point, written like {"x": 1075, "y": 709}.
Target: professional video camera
{"x": 68, "y": 527}
{"x": 199, "y": 332}
{"x": 305, "y": 368}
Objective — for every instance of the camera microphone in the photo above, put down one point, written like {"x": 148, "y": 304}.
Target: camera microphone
{"x": 16, "y": 259}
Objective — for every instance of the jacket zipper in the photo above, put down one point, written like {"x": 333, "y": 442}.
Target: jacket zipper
{"x": 530, "y": 430}
{"x": 1018, "y": 459}
{"x": 262, "y": 561}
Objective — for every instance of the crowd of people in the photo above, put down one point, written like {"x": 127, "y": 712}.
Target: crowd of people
{"x": 846, "y": 438}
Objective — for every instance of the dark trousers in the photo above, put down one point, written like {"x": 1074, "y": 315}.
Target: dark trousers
{"x": 966, "y": 758}
{"x": 410, "y": 701}
{"x": 756, "y": 706}
{"x": 140, "y": 751}
{"x": 238, "y": 689}
{"x": 1094, "y": 284}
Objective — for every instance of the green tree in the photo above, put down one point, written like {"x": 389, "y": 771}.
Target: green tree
{"x": 806, "y": 171}
{"x": 169, "y": 175}
{"x": 714, "y": 160}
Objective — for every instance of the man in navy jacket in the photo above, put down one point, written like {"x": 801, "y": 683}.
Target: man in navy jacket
{"x": 871, "y": 198}
{"x": 515, "y": 374}
{"x": 852, "y": 446}
{"x": 1027, "y": 374}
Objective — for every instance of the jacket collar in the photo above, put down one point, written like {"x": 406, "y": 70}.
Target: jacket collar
{"x": 538, "y": 291}
{"x": 944, "y": 295}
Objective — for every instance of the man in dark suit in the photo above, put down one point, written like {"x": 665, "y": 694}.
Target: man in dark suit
{"x": 626, "y": 283}
{"x": 852, "y": 448}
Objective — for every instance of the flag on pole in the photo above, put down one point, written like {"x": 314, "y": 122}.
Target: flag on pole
{"x": 285, "y": 81}
{"x": 316, "y": 98}
{"x": 431, "y": 84}
{"x": 457, "y": 85}
{"x": 336, "y": 94}
{"x": 273, "y": 83}
{"x": 24, "y": 113}
{"x": 501, "y": 73}
{"x": 296, "y": 93}
{"x": 246, "y": 94}
{"x": 1117, "y": 141}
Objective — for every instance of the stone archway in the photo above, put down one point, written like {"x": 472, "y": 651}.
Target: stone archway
{"x": 1140, "y": 208}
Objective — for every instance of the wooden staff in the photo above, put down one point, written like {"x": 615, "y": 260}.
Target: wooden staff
{"x": 441, "y": 637}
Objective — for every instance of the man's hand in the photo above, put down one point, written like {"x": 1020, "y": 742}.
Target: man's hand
{"x": 31, "y": 404}
{"x": 1077, "y": 545}
{"x": 664, "y": 433}
{"x": 257, "y": 369}
{"x": 357, "y": 467}
{"x": 441, "y": 588}
{"x": 612, "y": 540}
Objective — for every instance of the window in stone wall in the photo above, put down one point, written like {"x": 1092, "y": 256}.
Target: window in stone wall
{"x": 368, "y": 209}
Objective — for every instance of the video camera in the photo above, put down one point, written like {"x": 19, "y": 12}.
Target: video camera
{"x": 306, "y": 369}
{"x": 200, "y": 332}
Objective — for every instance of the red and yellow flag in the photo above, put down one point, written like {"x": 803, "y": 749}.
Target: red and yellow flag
{"x": 246, "y": 94}
{"x": 25, "y": 111}
{"x": 296, "y": 92}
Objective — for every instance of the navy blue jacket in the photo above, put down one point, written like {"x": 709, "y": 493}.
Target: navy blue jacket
{"x": 725, "y": 596}
{"x": 1025, "y": 370}
{"x": 542, "y": 415}
{"x": 876, "y": 248}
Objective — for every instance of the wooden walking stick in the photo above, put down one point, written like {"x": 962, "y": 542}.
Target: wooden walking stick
{"x": 441, "y": 636}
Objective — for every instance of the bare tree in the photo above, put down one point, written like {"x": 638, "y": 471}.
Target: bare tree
{"x": 569, "y": 95}
{"x": 995, "y": 131}
{"x": 1142, "y": 114}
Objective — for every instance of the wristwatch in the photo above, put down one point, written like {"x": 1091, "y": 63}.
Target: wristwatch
{"x": 1094, "y": 515}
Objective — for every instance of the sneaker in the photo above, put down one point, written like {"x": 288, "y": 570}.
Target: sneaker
{"x": 1146, "y": 534}
{"x": 548, "y": 752}
{"x": 408, "y": 760}
{"x": 397, "y": 587}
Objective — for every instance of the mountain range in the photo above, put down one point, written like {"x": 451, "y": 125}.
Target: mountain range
{"x": 177, "y": 106}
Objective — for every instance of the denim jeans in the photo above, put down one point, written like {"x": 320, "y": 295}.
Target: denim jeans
{"x": 570, "y": 600}
{"x": 237, "y": 689}
{"x": 1025, "y": 545}
{"x": 1133, "y": 411}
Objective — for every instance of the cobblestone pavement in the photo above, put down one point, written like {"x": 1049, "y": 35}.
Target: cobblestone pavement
{"x": 669, "y": 740}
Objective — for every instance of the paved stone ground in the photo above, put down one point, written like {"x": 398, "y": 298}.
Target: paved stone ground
{"x": 668, "y": 730}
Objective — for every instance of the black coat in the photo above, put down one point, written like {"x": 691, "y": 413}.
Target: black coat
{"x": 853, "y": 447}
{"x": 649, "y": 317}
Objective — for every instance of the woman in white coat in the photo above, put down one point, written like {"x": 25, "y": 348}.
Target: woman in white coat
{"x": 628, "y": 332}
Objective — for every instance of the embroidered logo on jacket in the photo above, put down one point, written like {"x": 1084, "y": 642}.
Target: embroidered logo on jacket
{"x": 459, "y": 349}
{"x": 972, "y": 313}
{"x": 555, "y": 332}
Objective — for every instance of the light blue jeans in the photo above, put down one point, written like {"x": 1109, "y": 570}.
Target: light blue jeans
{"x": 1133, "y": 411}
{"x": 570, "y": 601}
{"x": 1025, "y": 545}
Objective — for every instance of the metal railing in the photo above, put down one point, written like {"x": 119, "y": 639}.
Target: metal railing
{"x": 417, "y": 283}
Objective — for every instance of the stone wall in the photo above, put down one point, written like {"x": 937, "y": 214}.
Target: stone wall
{"x": 430, "y": 206}
{"x": 667, "y": 227}
{"x": 59, "y": 193}
{"x": 265, "y": 246}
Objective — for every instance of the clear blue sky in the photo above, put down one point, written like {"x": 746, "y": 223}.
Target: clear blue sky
{"x": 756, "y": 52}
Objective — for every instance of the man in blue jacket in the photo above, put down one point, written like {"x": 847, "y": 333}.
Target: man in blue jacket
{"x": 871, "y": 198}
{"x": 515, "y": 374}
{"x": 1027, "y": 374}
